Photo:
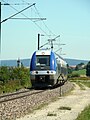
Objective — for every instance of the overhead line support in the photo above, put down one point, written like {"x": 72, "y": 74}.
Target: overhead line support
{"x": 29, "y": 18}
{"x": 17, "y": 13}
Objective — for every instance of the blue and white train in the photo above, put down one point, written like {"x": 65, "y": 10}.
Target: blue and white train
{"x": 47, "y": 68}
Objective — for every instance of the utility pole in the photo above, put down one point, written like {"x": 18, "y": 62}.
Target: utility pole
{"x": 38, "y": 41}
{"x": 17, "y": 13}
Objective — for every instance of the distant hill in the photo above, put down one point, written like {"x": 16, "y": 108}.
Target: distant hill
{"x": 73, "y": 62}
{"x": 26, "y": 62}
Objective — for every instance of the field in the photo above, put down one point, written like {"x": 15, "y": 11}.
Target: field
{"x": 80, "y": 72}
{"x": 85, "y": 115}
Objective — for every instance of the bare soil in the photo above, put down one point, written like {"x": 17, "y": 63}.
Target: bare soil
{"x": 65, "y": 108}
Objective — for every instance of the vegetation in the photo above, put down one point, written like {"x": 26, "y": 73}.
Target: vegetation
{"x": 81, "y": 75}
{"x": 64, "y": 108}
{"x": 80, "y": 72}
{"x": 73, "y": 75}
{"x": 83, "y": 83}
{"x": 78, "y": 75}
{"x": 85, "y": 115}
{"x": 51, "y": 114}
{"x": 82, "y": 87}
{"x": 88, "y": 69}
{"x": 69, "y": 69}
{"x": 12, "y": 79}
{"x": 86, "y": 83}
{"x": 80, "y": 66}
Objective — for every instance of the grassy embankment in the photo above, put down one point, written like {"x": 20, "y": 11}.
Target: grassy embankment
{"x": 85, "y": 114}
{"x": 81, "y": 72}
{"x": 12, "y": 86}
{"x": 81, "y": 79}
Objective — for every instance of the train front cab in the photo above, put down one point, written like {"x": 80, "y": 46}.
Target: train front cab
{"x": 43, "y": 70}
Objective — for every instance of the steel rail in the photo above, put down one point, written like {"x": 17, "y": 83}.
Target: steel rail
{"x": 13, "y": 97}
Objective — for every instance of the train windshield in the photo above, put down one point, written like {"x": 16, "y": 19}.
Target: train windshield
{"x": 42, "y": 60}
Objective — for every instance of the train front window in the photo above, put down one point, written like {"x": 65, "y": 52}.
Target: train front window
{"x": 42, "y": 60}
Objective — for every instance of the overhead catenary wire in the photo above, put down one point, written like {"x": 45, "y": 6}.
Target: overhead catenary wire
{"x": 43, "y": 21}
{"x": 23, "y": 3}
{"x": 18, "y": 13}
{"x": 27, "y": 18}
{"x": 16, "y": 4}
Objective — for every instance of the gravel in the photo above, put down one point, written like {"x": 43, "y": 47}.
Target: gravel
{"x": 64, "y": 108}
{"x": 14, "y": 109}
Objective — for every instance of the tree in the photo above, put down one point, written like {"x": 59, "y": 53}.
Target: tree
{"x": 4, "y": 74}
{"x": 88, "y": 69}
{"x": 69, "y": 69}
{"x": 18, "y": 73}
{"x": 80, "y": 66}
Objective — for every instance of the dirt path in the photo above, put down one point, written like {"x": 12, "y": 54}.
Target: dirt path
{"x": 73, "y": 105}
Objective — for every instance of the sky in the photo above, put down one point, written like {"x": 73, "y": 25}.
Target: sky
{"x": 68, "y": 18}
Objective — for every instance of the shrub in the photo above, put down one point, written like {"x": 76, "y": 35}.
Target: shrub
{"x": 4, "y": 74}
{"x": 88, "y": 69}
{"x": 73, "y": 75}
{"x": 14, "y": 78}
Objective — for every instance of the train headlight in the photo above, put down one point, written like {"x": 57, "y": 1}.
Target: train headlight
{"x": 36, "y": 72}
{"x": 48, "y": 72}
{"x": 33, "y": 72}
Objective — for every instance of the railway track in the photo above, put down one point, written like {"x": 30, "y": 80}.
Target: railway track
{"x": 17, "y": 95}
{"x": 15, "y": 105}
{"x": 20, "y": 94}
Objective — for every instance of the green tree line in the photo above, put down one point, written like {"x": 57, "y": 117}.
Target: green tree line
{"x": 14, "y": 76}
{"x": 88, "y": 69}
{"x": 81, "y": 66}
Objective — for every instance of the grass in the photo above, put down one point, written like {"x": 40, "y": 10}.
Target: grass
{"x": 86, "y": 83}
{"x": 64, "y": 108}
{"x": 82, "y": 79}
{"x": 11, "y": 86}
{"x": 85, "y": 114}
{"x": 51, "y": 114}
{"x": 79, "y": 78}
{"x": 81, "y": 85}
{"x": 80, "y": 72}
{"x": 78, "y": 75}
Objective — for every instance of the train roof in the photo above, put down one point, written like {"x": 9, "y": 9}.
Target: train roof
{"x": 60, "y": 59}
{"x": 43, "y": 52}
{"x": 48, "y": 52}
